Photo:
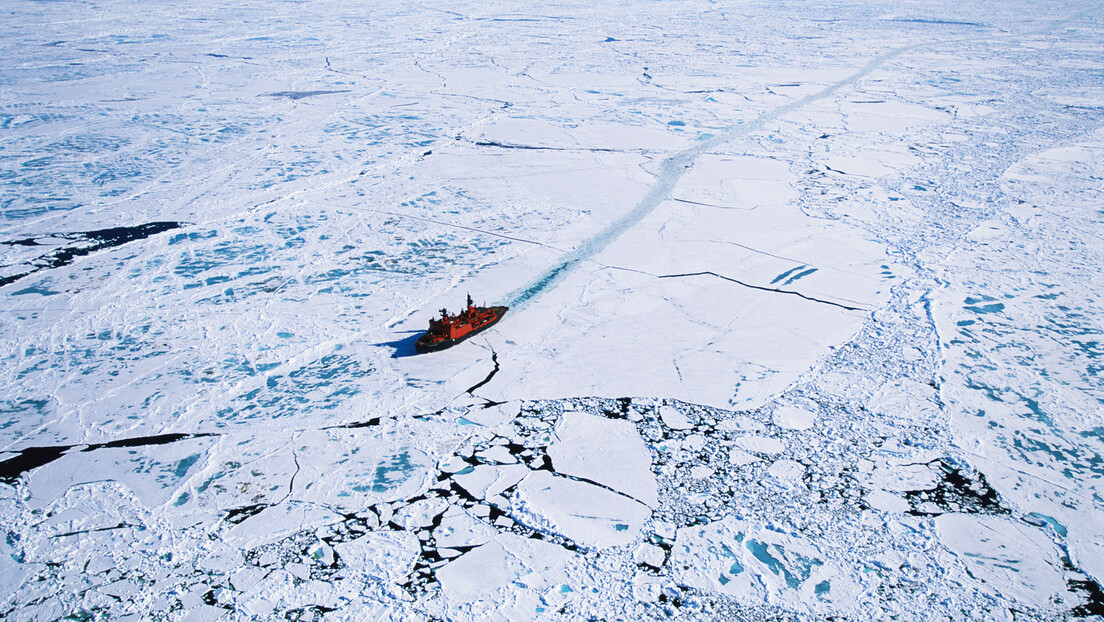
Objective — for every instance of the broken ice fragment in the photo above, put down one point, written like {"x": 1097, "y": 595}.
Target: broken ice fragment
{"x": 220, "y": 558}
{"x": 646, "y": 589}
{"x": 485, "y": 481}
{"x": 740, "y": 457}
{"x": 904, "y": 477}
{"x": 583, "y": 512}
{"x": 649, "y": 555}
{"x": 495, "y": 565}
{"x": 419, "y": 513}
{"x": 693, "y": 442}
{"x": 389, "y": 555}
{"x": 793, "y": 418}
{"x": 498, "y": 453}
{"x": 299, "y": 571}
{"x": 786, "y": 473}
{"x": 674, "y": 419}
{"x": 701, "y": 472}
{"x": 761, "y": 444}
{"x": 927, "y": 508}
{"x": 452, "y": 464}
{"x": 246, "y": 577}
{"x": 490, "y": 415}
{"x": 278, "y": 522}
{"x": 606, "y": 451}
{"x": 322, "y": 553}
{"x": 458, "y": 528}
{"x": 887, "y": 501}
{"x": 664, "y": 530}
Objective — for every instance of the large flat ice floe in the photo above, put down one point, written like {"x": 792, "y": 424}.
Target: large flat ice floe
{"x": 805, "y": 319}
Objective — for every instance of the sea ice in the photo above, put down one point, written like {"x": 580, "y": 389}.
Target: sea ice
{"x": 495, "y": 565}
{"x": 593, "y": 516}
{"x": 1012, "y": 559}
{"x": 604, "y": 451}
{"x": 805, "y": 311}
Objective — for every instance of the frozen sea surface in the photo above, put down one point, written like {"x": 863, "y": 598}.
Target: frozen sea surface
{"x": 806, "y": 311}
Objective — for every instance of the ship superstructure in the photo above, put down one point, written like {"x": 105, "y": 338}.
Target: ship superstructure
{"x": 449, "y": 330}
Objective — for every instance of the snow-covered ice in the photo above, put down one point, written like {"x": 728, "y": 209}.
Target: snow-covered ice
{"x": 805, "y": 320}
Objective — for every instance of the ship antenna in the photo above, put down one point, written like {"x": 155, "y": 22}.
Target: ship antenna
{"x": 469, "y": 300}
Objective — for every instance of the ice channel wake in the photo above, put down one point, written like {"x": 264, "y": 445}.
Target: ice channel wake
{"x": 670, "y": 171}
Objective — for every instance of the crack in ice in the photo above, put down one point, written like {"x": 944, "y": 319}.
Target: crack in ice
{"x": 760, "y": 287}
{"x": 494, "y": 359}
{"x": 33, "y": 457}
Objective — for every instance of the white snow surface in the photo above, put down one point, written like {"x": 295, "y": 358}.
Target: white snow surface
{"x": 607, "y": 452}
{"x": 805, "y": 310}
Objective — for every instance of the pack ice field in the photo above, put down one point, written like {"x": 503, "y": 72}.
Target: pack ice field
{"x": 805, "y": 311}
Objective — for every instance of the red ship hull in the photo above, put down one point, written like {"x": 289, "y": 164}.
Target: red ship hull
{"x": 451, "y": 330}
